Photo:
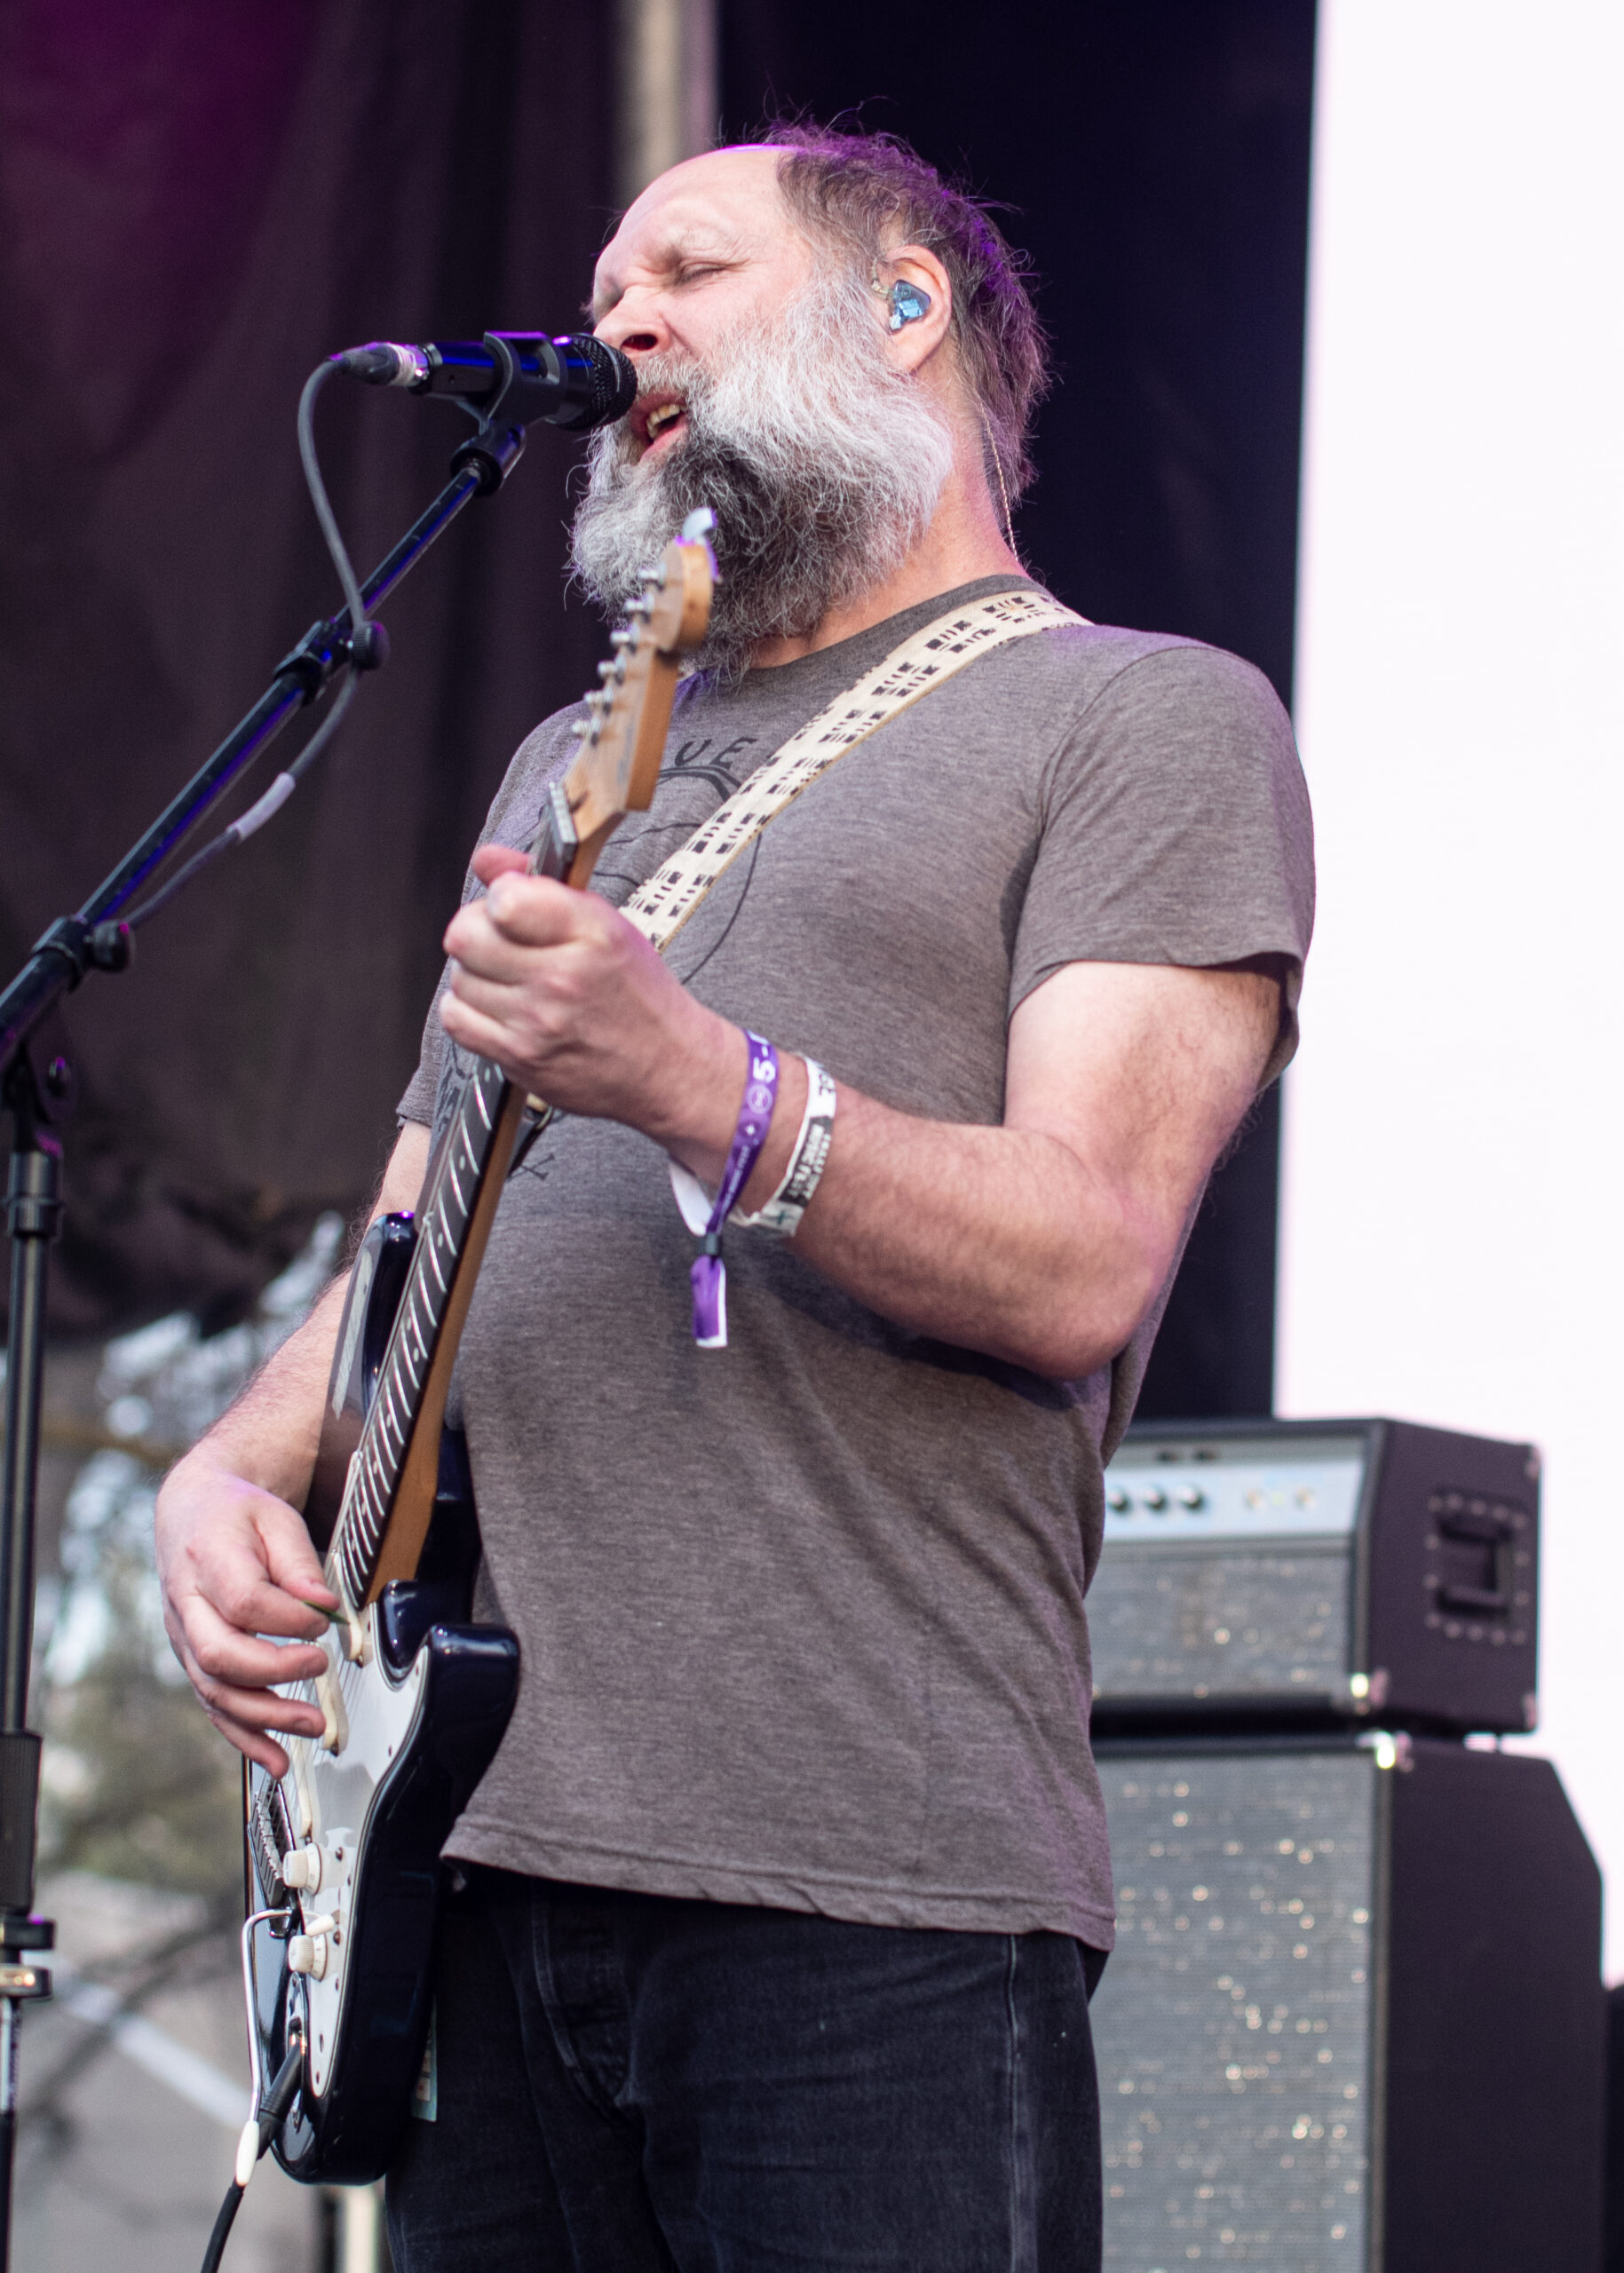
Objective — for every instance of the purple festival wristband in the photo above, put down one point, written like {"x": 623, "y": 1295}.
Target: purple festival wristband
{"x": 709, "y": 1274}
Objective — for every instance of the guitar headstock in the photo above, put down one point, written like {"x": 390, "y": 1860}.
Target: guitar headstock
{"x": 622, "y": 738}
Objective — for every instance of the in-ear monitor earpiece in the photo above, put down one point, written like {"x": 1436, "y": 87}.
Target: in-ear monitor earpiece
{"x": 908, "y": 302}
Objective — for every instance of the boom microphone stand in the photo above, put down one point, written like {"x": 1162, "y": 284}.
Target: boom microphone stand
{"x": 95, "y": 939}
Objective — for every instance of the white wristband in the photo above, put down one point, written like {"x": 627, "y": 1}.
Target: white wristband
{"x": 781, "y": 1215}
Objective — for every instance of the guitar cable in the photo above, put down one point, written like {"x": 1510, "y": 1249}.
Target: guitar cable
{"x": 258, "y": 2134}
{"x": 369, "y": 648}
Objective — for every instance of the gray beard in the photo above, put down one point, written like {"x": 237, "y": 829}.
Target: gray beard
{"x": 822, "y": 465}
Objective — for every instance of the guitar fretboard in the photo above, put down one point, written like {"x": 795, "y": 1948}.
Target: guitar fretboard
{"x": 455, "y": 1180}
{"x": 614, "y": 771}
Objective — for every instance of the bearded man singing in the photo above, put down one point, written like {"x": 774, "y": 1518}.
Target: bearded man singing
{"x": 776, "y": 1918}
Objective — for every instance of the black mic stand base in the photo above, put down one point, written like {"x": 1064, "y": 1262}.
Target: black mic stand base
{"x": 34, "y": 1211}
{"x": 21, "y": 1981}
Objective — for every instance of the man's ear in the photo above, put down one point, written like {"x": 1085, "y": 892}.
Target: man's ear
{"x": 913, "y": 298}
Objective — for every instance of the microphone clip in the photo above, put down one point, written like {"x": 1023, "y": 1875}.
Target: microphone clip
{"x": 488, "y": 453}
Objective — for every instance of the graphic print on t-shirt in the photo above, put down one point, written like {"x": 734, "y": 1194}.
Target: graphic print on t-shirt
{"x": 699, "y": 774}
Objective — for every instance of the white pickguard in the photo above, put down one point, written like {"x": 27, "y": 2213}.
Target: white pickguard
{"x": 330, "y": 1798}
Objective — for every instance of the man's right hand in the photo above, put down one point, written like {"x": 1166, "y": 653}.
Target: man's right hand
{"x": 236, "y": 1566}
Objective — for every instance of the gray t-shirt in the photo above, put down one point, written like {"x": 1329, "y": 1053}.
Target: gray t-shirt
{"x": 802, "y": 1619}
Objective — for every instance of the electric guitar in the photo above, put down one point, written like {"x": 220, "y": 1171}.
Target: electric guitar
{"x": 343, "y": 1871}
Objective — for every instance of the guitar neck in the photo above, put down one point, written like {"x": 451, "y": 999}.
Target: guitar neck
{"x": 458, "y": 1201}
{"x": 460, "y": 1192}
{"x": 389, "y": 1497}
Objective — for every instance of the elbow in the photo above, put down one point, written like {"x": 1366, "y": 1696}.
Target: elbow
{"x": 1084, "y": 1328}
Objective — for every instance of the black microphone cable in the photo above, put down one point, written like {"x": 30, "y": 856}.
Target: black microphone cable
{"x": 369, "y": 648}
{"x": 575, "y": 381}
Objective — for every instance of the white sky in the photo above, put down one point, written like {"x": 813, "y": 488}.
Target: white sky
{"x": 1451, "y": 1245}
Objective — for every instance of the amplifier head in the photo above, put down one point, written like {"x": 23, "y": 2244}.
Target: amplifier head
{"x": 1316, "y": 1574}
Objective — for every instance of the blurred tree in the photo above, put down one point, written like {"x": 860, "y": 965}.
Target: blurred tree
{"x": 136, "y": 1783}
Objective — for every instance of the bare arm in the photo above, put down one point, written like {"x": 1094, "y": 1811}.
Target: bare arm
{"x": 234, "y": 1559}
{"x": 1042, "y": 1240}
{"x": 1045, "y": 1240}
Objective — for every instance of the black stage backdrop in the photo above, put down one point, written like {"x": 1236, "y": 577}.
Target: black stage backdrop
{"x": 1156, "y": 154}
{"x": 201, "y": 199}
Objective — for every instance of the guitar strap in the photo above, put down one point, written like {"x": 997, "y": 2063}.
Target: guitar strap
{"x": 663, "y": 904}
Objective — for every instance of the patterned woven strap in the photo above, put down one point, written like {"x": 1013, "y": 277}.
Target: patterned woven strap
{"x": 663, "y": 904}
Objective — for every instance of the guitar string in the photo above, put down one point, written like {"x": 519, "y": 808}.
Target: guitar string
{"x": 358, "y": 1537}
{"x": 374, "y": 1477}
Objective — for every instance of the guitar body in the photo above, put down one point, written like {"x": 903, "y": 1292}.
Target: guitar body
{"x": 423, "y": 1708}
{"x": 344, "y": 1869}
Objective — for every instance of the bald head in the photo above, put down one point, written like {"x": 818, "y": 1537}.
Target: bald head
{"x": 708, "y": 245}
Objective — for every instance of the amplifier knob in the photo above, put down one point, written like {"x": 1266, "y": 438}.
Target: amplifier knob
{"x": 307, "y": 1954}
{"x": 1117, "y": 1500}
{"x": 1155, "y": 1500}
{"x": 1190, "y": 1498}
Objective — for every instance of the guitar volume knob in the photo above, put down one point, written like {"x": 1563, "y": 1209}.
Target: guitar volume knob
{"x": 307, "y": 1954}
{"x": 302, "y": 1870}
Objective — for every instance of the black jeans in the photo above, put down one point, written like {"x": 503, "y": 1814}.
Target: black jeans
{"x": 629, "y": 2083}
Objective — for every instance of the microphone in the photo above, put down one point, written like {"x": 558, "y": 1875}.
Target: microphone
{"x": 574, "y": 381}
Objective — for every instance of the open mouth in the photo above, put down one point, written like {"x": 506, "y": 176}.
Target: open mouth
{"x": 661, "y": 424}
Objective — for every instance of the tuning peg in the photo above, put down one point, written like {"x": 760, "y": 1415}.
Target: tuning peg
{"x": 604, "y": 669}
{"x": 652, "y": 577}
{"x": 621, "y": 638}
{"x": 579, "y": 728}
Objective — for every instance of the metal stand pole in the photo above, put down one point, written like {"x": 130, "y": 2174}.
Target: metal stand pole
{"x": 34, "y": 1217}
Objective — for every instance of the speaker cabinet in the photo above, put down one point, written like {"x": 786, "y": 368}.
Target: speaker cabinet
{"x": 1317, "y": 1573}
{"x": 1354, "y": 2020}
